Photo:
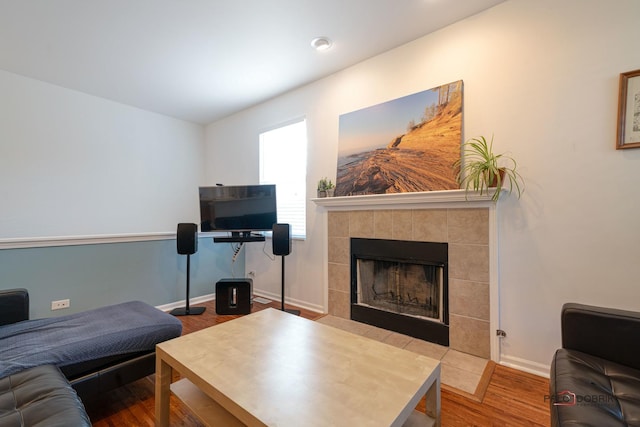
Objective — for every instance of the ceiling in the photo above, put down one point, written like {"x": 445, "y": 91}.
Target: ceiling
{"x": 201, "y": 60}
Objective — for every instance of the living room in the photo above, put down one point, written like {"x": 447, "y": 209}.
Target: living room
{"x": 540, "y": 77}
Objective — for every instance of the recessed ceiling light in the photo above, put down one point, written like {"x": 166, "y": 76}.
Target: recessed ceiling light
{"x": 321, "y": 43}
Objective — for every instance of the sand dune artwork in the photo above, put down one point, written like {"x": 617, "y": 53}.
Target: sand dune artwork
{"x": 405, "y": 145}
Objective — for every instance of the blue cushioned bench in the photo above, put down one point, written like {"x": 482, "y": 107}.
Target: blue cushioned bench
{"x": 96, "y": 350}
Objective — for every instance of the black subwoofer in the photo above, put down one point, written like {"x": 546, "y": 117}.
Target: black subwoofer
{"x": 233, "y": 296}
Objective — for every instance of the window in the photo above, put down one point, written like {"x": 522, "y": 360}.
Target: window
{"x": 283, "y": 162}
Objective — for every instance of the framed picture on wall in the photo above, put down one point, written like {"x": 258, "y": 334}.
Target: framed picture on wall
{"x": 629, "y": 111}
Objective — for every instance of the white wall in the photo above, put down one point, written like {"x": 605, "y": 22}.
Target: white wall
{"x": 231, "y": 157}
{"x": 542, "y": 76}
{"x": 73, "y": 164}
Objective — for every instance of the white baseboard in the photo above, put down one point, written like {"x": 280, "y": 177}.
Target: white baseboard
{"x": 271, "y": 296}
{"x": 178, "y": 304}
{"x": 292, "y": 301}
{"x": 525, "y": 365}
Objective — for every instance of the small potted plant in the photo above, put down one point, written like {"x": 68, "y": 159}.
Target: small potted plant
{"x": 325, "y": 188}
{"x": 482, "y": 169}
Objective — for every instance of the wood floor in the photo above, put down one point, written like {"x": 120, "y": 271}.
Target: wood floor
{"x": 513, "y": 398}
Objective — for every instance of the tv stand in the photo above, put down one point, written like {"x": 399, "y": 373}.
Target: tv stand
{"x": 240, "y": 237}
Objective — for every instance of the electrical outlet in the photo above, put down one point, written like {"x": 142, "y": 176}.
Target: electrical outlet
{"x": 60, "y": 304}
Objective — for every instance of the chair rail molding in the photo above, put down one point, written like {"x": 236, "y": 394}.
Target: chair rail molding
{"x": 43, "y": 242}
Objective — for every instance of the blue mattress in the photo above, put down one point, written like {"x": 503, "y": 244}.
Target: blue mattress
{"x": 114, "y": 330}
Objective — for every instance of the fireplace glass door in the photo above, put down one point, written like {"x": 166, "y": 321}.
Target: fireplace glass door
{"x": 401, "y": 287}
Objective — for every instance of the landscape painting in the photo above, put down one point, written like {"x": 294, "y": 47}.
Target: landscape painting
{"x": 405, "y": 145}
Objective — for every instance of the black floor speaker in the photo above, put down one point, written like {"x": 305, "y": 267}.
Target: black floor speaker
{"x": 187, "y": 244}
{"x": 233, "y": 296}
{"x": 187, "y": 238}
{"x": 281, "y": 239}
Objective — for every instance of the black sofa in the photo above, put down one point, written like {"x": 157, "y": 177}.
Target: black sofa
{"x": 595, "y": 376}
{"x": 40, "y": 397}
{"x": 116, "y": 344}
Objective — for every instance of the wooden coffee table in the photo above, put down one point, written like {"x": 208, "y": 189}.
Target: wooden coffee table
{"x": 271, "y": 368}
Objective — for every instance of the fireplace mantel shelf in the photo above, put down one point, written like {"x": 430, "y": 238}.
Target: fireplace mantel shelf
{"x": 445, "y": 198}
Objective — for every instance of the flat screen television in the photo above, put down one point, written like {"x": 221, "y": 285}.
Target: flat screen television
{"x": 238, "y": 208}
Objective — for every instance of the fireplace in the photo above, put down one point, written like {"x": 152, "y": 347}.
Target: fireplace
{"x": 467, "y": 230}
{"x": 401, "y": 286}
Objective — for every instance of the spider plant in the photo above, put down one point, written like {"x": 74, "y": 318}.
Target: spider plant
{"x": 482, "y": 169}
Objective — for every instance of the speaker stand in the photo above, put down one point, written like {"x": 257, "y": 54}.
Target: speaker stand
{"x": 296, "y": 312}
{"x": 186, "y": 311}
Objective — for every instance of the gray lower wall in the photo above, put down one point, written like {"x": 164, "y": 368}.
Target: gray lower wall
{"x": 101, "y": 274}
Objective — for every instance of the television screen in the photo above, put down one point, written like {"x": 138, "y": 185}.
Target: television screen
{"x": 238, "y": 208}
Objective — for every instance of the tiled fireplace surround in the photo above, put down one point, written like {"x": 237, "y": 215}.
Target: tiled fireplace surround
{"x": 467, "y": 232}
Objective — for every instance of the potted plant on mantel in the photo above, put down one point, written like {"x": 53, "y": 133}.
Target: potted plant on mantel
{"x": 325, "y": 188}
{"x": 483, "y": 169}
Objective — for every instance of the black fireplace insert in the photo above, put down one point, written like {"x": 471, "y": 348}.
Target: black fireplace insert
{"x": 401, "y": 286}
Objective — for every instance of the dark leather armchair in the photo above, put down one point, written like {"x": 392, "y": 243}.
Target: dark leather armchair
{"x": 14, "y": 306}
{"x": 595, "y": 376}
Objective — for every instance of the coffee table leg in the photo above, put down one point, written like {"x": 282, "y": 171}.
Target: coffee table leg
{"x": 163, "y": 381}
{"x": 433, "y": 401}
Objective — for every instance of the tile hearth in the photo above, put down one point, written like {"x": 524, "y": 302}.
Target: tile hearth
{"x": 459, "y": 370}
